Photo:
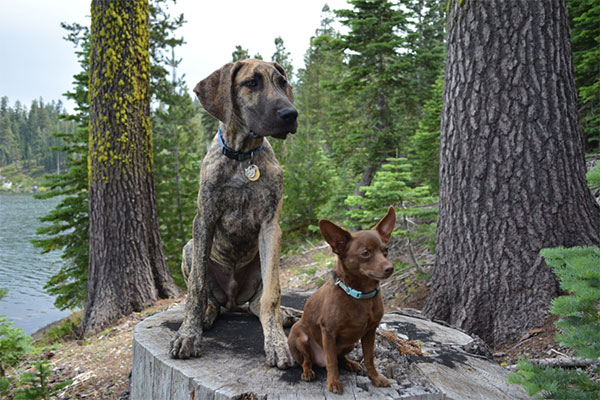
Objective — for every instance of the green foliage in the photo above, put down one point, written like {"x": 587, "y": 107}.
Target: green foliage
{"x": 554, "y": 383}
{"x": 307, "y": 166}
{"x": 68, "y": 329}
{"x": 5, "y": 384}
{"x": 26, "y": 135}
{"x": 37, "y": 385}
{"x": 13, "y": 344}
{"x": 585, "y": 40}
{"x": 67, "y": 225}
{"x": 593, "y": 176}
{"x": 180, "y": 142}
{"x": 579, "y": 326}
{"x": 282, "y": 57}
{"x": 162, "y": 39}
{"x": 425, "y": 144}
{"x": 239, "y": 54}
{"x": 579, "y": 274}
{"x": 394, "y": 52}
{"x": 366, "y": 122}
{"x": 392, "y": 185}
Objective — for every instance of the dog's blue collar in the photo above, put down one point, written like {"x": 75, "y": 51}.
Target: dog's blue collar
{"x": 233, "y": 154}
{"x": 357, "y": 294}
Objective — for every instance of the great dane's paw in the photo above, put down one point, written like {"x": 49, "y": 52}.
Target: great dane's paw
{"x": 277, "y": 351}
{"x": 186, "y": 344}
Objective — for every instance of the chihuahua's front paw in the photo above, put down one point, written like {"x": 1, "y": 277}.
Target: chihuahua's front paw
{"x": 277, "y": 351}
{"x": 334, "y": 385}
{"x": 379, "y": 381}
{"x": 186, "y": 344}
{"x": 350, "y": 365}
{"x": 308, "y": 375}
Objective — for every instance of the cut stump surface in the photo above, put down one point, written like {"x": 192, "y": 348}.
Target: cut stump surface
{"x": 452, "y": 365}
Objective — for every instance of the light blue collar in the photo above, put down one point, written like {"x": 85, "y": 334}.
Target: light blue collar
{"x": 357, "y": 294}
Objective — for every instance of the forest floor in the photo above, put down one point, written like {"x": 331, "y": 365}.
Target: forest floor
{"x": 99, "y": 365}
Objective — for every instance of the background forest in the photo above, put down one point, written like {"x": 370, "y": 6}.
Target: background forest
{"x": 369, "y": 102}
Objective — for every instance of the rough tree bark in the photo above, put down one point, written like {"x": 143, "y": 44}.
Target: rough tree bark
{"x": 512, "y": 170}
{"x": 127, "y": 270}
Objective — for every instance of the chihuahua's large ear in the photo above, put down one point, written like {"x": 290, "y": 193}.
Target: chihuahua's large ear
{"x": 386, "y": 225}
{"x": 215, "y": 92}
{"x": 289, "y": 92}
{"x": 334, "y": 235}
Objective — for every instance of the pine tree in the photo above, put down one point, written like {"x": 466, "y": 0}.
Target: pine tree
{"x": 424, "y": 145}
{"x": 39, "y": 384}
{"x": 68, "y": 223}
{"x": 367, "y": 129}
{"x": 308, "y": 170}
{"x": 179, "y": 141}
{"x": 239, "y": 54}
{"x": 28, "y": 135}
{"x": 8, "y": 140}
{"x": 425, "y": 45}
{"x": 282, "y": 57}
{"x": 512, "y": 167}
{"x": 393, "y": 184}
{"x": 125, "y": 275}
{"x": 585, "y": 39}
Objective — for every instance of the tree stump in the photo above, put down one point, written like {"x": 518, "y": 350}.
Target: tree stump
{"x": 422, "y": 359}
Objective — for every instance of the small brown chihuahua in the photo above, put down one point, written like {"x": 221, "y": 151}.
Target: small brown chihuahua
{"x": 346, "y": 308}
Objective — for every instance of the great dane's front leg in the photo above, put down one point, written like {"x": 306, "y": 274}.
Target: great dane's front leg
{"x": 186, "y": 342}
{"x": 276, "y": 348}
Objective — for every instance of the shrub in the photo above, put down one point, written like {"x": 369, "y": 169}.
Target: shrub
{"x": 578, "y": 270}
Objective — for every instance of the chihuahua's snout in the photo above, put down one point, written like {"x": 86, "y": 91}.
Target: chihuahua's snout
{"x": 388, "y": 269}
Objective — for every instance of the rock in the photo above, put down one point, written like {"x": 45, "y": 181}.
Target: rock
{"x": 233, "y": 367}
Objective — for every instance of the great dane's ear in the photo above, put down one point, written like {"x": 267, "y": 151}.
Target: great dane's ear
{"x": 215, "y": 92}
{"x": 334, "y": 235}
{"x": 386, "y": 225}
{"x": 288, "y": 89}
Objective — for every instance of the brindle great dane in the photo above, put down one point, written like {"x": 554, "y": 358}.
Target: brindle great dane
{"x": 233, "y": 257}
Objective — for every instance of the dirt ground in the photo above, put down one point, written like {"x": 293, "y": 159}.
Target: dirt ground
{"x": 99, "y": 366}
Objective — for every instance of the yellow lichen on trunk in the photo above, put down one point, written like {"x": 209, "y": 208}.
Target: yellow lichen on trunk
{"x": 119, "y": 88}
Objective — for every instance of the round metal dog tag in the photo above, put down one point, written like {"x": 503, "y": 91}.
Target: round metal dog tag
{"x": 252, "y": 172}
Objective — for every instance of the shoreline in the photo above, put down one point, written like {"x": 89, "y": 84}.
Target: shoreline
{"x": 39, "y": 334}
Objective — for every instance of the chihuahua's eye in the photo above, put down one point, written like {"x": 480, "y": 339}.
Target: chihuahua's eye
{"x": 366, "y": 253}
{"x": 282, "y": 82}
{"x": 384, "y": 251}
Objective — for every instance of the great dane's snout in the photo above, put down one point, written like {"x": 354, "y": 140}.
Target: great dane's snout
{"x": 288, "y": 114}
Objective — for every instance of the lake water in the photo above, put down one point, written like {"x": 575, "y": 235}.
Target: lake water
{"x": 23, "y": 269}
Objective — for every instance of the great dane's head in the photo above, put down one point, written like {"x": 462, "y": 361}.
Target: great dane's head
{"x": 250, "y": 95}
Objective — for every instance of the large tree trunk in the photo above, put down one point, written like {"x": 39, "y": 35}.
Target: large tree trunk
{"x": 512, "y": 170}
{"x": 127, "y": 270}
